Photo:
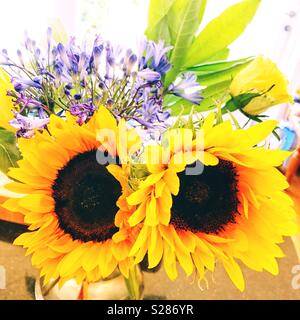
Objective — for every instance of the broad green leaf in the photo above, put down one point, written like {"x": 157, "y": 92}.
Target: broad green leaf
{"x": 175, "y": 16}
{"x": 213, "y": 77}
{"x": 222, "y": 31}
{"x": 183, "y": 24}
{"x": 181, "y": 107}
{"x": 170, "y": 99}
{"x": 184, "y": 107}
{"x": 202, "y": 11}
{"x": 9, "y": 153}
{"x": 221, "y": 55}
{"x": 216, "y": 89}
{"x": 162, "y": 32}
{"x": 158, "y": 10}
{"x": 211, "y": 94}
{"x": 222, "y": 65}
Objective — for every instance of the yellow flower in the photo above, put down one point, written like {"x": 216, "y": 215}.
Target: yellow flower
{"x": 261, "y": 76}
{"x": 71, "y": 200}
{"x": 6, "y": 103}
{"x": 235, "y": 210}
{"x": 4, "y": 195}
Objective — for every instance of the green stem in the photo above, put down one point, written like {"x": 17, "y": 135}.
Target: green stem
{"x": 46, "y": 289}
{"x": 135, "y": 284}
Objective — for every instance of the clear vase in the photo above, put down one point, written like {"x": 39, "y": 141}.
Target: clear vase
{"x": 115, "y": 288}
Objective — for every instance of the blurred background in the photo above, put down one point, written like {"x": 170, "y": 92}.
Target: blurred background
{"x": 274, "y": 32}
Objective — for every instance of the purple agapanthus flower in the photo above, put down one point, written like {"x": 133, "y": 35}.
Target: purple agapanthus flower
{"x": 23, "y": 84}
{"x": 149, "y": 75}
{"x": 72, "y": 78}
{"x": 153, "y": 114}
{"x": 154, "y": 56}
{"x": 160, "y": 62}
{"x": 83, "y": 111}
{"x": 27, "y": 125}
{"x": 187, "y": 87}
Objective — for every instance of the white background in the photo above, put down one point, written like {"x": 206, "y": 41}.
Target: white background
{"x": 274, "y": 32}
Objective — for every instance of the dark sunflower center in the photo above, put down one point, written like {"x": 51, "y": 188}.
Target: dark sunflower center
{"x": 207, "y": 202}
{"x": 85, "y": 195}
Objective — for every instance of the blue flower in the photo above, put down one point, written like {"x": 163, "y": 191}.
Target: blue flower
{"x": 27, "y": 125}
{"x": 187, "y": 87}
{"x": 23, "y": 84}
{"x": 83, "y": 111}
{"x": 149, "y": 75}
{"x": 152, "y": 113}
{"x": 159, "y": 52}
{"x": 154, "y": 56}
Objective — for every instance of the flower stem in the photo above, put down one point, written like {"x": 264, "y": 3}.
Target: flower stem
{"x": 83, "y": 294}
{"x": 46, "y": 289}
{"x": 135, "y": 284}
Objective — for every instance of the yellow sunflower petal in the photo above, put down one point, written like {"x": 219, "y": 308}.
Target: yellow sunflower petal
{"x": 235, "y": 273}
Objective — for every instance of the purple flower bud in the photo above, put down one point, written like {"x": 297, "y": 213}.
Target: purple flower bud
{"x": 20, "y": 56}
{"x": 109, "y": 103}
{"x": 77, "y": 96}
{"x": 49, "y": 37}
{"x": 20, "y": 87}
{"x": 83, "y": 62}
{"x": 23, "y": 84}
{"x": 97, "y": 52}
{"x": 54, "y": 52}
{"x": 101, "y": 85}
{"x": 37, "y": 53}
{"x": 149, "y": 75}
{"x": 69, "y": 86}
{"x": 63, "y": 54}
{"x": 187, "y": 88}
{"x": 129, "y": 63}
{"x": 67, "y": 92}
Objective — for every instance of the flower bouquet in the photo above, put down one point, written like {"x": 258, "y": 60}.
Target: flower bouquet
{"x": 119, "y": 159}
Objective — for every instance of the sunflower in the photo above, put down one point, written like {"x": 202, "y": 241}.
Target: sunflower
{"x": 71, "y": 200}
{"x": 236, "y": 209}
{"x": 4, "y": 195}
{"x": 6, "y": 103}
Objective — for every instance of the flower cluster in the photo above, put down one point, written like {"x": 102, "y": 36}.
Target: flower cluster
{"x": 100, "y": 198}
{"x": 77, "y": 79}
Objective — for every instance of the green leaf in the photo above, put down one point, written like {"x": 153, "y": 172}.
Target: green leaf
{"x": 217, "y": 77}
{"x": 176, "y": 13}
{"x": 241, "y": 101}
{"x": 185, "y": 107}
{"x": 183, "y": 22}
{"x": 222, "y": 65}
{"x": 201, "y": 11}
{"x": 222, "y": 31}
{"x": 225, "y": 73}
{"x": 158, "y": 10}
{"x": 221, "y": 55}
{"x": 211, "y": 94}
{"x": 162, "y": 32}
{"x": 9, "y": 153}
{"x": 215, "y": 89}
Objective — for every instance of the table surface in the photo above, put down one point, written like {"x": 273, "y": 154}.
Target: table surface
{"x": 20, "y": 277}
